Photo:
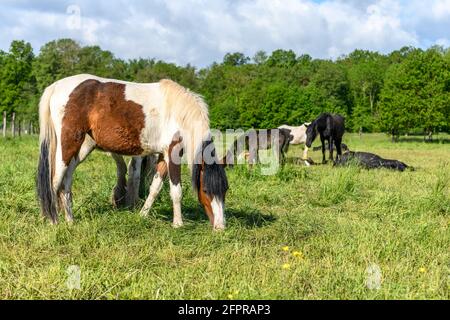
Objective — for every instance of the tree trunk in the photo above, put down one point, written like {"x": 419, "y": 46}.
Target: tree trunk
{"x": 4, "y": 124}
{"x": 19, "y": 131}
{"x": 13, "y": 125}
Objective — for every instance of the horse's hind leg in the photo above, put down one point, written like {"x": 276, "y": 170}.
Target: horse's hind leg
{"x": 65, "y": 194}
{"x": 134, "y": 180}
{"x": 322, "y": 140}
{"x": 120, "y": 189}
{"x": 338, "y": 149}
{"x": 330, "y": 147}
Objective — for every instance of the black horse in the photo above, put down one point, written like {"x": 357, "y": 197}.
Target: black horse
{"x": 370, "y": 161}
{"x": 331, "y": 128}
{"x": 256, "y": 140}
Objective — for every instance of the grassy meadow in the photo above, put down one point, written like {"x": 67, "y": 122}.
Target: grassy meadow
{"x": 304, "y": 233}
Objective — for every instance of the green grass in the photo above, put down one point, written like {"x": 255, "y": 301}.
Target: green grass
{"x": 342, "y": 220}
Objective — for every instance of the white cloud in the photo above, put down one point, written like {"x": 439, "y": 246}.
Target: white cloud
{"x": 202, "y": 31}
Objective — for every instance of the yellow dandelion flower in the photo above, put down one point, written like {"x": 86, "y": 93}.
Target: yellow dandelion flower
{"x": 285, "y": 248}
{"x": 297, "y": 254}
{"x": 422, "y": 270}
{"x": 286, "y": 266}
{"x": 230, "y": 296}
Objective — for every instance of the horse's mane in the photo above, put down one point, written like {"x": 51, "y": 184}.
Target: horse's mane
{"x": 190, "y": 111}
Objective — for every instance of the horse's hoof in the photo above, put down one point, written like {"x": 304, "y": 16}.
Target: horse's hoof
{"x": 69, "y": 220}
{"x": 177, "y": 224}
{"x": 143, "y": 213}
{"x": 219, "y": 228}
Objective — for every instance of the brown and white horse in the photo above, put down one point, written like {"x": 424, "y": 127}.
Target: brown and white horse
{"x": 84, "y": 112}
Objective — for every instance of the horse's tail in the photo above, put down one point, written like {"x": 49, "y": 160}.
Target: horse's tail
{"x": 47, "y": 140}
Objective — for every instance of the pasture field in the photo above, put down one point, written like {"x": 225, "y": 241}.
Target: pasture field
{"x": 303, "y": 233}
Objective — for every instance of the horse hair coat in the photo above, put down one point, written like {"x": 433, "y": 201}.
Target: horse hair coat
{"x": 331, "y": 128}
{"x": 370, "y": 161}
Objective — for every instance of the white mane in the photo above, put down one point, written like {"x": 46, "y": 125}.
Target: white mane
{"x": 190, "y": 111}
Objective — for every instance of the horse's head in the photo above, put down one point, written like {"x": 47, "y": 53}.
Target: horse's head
{"x": 210, "y": 182}
{"x": 311, "y": 134}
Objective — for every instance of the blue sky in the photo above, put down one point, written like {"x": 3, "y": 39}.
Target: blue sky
{"x": 202, "y": 31}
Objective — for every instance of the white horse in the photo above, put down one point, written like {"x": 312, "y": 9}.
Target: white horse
{"x": 299, "y": 134}
{"x": 83, "y": 112}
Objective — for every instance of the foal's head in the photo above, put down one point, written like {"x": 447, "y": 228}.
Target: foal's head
{"x": 210, "y": 182}
{"x": 311, "y": 134}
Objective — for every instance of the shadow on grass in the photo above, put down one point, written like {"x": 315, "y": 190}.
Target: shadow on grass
{"x": 248, "y": 219}
{"x": 193, "y": 212}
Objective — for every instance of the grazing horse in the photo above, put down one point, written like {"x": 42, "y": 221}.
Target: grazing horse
{"x": 83, "y": 112}
{"x": 331, "y": 129}
{"x": 299, "y": 135}
{"x": 255, "y": 140}
{"x": 370, "y": 161}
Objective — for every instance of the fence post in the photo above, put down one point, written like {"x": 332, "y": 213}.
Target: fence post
{"x": 13, "y": 125}
{"x": 4, "y": 124}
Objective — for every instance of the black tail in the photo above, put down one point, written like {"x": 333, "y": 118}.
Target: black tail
{"x": 215, "y": 181}
{"x": 44, "y": 185}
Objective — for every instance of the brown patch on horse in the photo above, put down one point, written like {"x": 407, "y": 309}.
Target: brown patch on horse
{"x": 161, "y": 167}
{"x": 175, "y": 150}
{"x": 205, "y": 200}
{"x": 101, "y": 110}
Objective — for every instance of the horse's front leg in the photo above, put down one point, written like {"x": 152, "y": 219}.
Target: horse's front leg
{"x": 173, "y": 158}
{"x": 156, "y": 186}
{"x": 253, "y": 156}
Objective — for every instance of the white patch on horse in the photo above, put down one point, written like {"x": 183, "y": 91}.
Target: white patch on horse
{"x": 150, "y": 98}
{"x": 155, "y": 189}
{"x": 176, "y": 195}
{"x": 218, "y": 209}
{"x": 299, "y": 133}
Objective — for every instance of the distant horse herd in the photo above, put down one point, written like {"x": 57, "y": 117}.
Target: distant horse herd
{"x": 165, "y": 120}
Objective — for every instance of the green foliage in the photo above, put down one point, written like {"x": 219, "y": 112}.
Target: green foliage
{"x": 235, "y": 59}
{"x": 17, "y": 88}
{"x": 406, "y": 90}
{"x": 416, "y": 94}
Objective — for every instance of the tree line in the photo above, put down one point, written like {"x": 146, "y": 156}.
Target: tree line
{"x": 407, "y": 90}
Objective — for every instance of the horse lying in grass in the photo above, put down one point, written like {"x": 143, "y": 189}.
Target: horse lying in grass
{"x": 370, "y": 161}
{"x": 255, "y": 140}
{"x": 83, "y": 112}
{"x": 331, "y": 128}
